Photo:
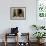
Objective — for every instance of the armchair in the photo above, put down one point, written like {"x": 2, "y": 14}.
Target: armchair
{"x": 14, "y": 32}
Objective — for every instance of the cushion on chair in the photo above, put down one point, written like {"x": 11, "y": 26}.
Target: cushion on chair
{"x": 14, "y": 30}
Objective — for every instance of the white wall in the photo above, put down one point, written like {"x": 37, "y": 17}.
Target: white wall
{"x": 24, "y": 25}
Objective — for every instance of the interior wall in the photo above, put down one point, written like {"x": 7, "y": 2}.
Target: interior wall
{"x": 24, "y": 25}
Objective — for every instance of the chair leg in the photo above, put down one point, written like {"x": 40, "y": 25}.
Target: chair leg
{"x": 5, "y": 43}
{"x": 5, "y": 40}
{"x": 17, "y": 39}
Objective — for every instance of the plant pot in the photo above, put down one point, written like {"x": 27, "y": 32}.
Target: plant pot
{"x": 40, "y": 41}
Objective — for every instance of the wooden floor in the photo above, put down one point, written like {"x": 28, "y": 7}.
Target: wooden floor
{"x": 13, "y": 44}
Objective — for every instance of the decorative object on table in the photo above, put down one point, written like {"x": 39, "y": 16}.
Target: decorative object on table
{"x": 17, "y": 13}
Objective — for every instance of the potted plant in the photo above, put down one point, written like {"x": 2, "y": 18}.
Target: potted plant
{"x": 39, "y": 35}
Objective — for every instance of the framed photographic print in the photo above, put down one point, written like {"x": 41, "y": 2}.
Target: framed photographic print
{"x": 17, "y": 13}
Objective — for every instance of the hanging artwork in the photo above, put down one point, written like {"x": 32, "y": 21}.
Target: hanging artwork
{"x": 41, "y": 12}
{"x": 41, "y": 8}
{"x": 17, "y": 13}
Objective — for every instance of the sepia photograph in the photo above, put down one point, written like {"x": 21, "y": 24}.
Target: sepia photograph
{"x": 17, "y": 13}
